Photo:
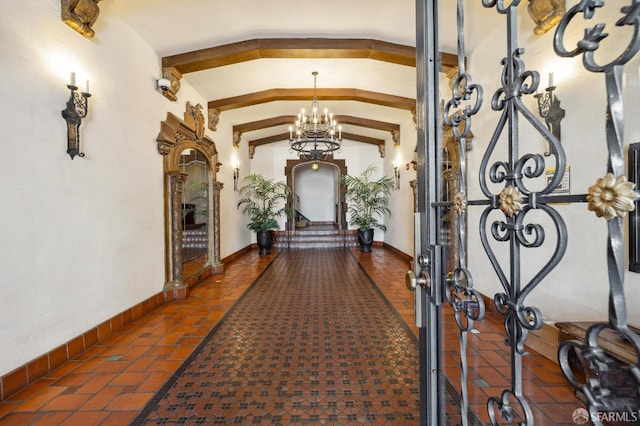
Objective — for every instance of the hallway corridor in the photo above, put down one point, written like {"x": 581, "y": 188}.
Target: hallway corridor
{"x": 111, "y": 383}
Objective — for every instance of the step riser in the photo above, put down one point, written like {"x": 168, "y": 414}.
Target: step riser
{"x": 315, "y": 238}
{"x": 304, "y": 245}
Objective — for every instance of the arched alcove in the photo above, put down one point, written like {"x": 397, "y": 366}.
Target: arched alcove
{"x": 175, "y": 138}
{"x": 338, "y": 167}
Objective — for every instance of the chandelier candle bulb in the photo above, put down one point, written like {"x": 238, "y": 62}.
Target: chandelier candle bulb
{"x": 315, "y": 132}
{"x": 72, "y": 81}
{"x": 87, "y": 87}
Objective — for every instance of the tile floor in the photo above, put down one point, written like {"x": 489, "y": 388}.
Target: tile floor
{"x": 112, "y": 381}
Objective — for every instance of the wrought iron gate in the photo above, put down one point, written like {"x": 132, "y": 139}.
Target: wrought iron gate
{"x": 444, "y": 286}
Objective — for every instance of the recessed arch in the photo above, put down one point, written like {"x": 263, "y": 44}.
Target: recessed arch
{"x": 340, "y": 168}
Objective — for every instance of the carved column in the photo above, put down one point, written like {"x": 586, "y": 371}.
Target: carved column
{"x": 213, "y": 257}
{"x": 452, "y": 177}
{"x": 414, "y": 187}
{"x": 175, "y": 181}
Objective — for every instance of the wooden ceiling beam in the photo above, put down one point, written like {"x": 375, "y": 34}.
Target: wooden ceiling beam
{"x": 285, "y": 137}
{"x": 366, "y": 122}
{"x": 290, "y": 48}
{"x": 363, "y": 139}
{"x": 252, "y": 144}
{"x": 341, "y": 119}
{"x": 264, "y": 124}
{"x": 272, "y": 95}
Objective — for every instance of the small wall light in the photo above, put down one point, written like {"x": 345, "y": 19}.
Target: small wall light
{"x": 549, "y": 109}
{"x": 396, "y": 173}
{"x": 236, "y": 176}
{"x": 76, "y": 110}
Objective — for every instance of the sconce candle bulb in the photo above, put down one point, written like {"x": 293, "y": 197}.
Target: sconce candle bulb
{"x": 396, "y": 174}
{"x": 550, "y": 110}
{"x": 76, "y": 110}
{"x": 236, "y": 175}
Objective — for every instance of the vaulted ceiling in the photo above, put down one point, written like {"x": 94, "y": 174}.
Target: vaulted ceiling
{"x": 252, "y": 61}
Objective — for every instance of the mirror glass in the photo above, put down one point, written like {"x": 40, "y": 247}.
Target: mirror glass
{"x": 194, "y": 211}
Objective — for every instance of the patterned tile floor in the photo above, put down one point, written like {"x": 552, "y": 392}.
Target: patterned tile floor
{"x": 112, "y": 382}
{"x": 309, "y": 343}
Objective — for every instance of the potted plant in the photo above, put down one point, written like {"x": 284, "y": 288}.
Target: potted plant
{"x": 263, "y": 201}
{"x": 367, "y": 201}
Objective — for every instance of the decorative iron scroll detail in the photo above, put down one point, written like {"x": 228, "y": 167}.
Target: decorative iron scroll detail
{"x": 594, "y": 382}
{"x": 467, "y": 303}
{"x": 517, "y": 174}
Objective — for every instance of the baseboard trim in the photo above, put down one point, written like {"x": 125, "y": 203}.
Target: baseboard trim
{"x": 28, "y": 373}
{"x": 233, "y": 256}
{"x": 400, "y": 253}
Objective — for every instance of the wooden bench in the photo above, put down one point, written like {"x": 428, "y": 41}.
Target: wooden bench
{"x": 610, "y": 341}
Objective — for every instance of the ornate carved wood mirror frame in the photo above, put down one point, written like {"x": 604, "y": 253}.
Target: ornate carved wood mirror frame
{"x": 175, "y": 136}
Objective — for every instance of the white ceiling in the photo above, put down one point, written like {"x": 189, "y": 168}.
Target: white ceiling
{"x": 177, "y": 26}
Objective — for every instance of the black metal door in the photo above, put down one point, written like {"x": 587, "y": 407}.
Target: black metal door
{"x": 442, "y": 282}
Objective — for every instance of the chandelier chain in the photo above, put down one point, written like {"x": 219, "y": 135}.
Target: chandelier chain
{"x": 315, "y": 133}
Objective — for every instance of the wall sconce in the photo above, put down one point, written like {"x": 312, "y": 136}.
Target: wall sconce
{"x": 236, "y": 176}
{"x": 396, "y": 174}
{"x": 76, "y": 110}
{"x": 549, "y": 109}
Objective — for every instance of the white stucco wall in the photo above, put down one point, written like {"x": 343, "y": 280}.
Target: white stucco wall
{"x": 82, "y": 239}
{"x": 399, "y": 232}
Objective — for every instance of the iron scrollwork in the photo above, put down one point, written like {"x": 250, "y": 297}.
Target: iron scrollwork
{"x": 515, "y": 201}
{"x": 600, "y": 393}
{"x": 467, "y": 303}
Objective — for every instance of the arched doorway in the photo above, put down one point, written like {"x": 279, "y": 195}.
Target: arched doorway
{"x": 300, "y": 172}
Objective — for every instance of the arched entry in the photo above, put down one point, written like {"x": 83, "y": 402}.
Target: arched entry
{"x": 338, "y": 166}
{"x": 176, "y": 138}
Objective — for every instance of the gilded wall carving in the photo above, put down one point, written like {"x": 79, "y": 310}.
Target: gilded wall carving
{"x": 177, "y": 135}
{"x": 80, "y": 15}
{"x": 174, "y": 76}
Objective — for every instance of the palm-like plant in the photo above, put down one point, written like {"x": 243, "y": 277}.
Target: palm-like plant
{"x": 263, "y": 202}
{"x": 367, "y": 199}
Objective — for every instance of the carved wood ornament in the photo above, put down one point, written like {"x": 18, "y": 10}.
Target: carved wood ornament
{"x": 80, "y": 15}
{"x": 177, "y": 135}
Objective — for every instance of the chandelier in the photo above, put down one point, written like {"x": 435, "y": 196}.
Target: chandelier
{"x": 314, "y": 134}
